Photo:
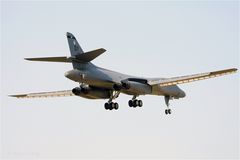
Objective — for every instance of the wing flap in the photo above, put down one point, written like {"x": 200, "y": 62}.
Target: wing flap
{"x": 191, "y": 78}
{"x": 63, "y": 93}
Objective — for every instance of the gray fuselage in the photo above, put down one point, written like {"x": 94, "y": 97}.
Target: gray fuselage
{"x": 95, "y": 76}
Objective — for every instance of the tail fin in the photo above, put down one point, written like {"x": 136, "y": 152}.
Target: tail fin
{"x": 75, "y": 49}
{"x": 78, "y": 58}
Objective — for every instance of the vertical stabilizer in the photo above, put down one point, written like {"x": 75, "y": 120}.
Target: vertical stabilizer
{"x": 75, "y": 48}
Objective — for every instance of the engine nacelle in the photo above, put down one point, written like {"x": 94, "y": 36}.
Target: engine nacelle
{"x": 133, "y": 87}
{"x": 126, "y": 84}
{"x": 77, "y": 91}
{"x": 91, "y": 92}
{"x": 117, "y": 87}
{"x": 122, "y": 85}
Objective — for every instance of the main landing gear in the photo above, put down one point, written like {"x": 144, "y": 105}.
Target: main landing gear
{"x": 134, "y": 102}
{"x": 111, "y": 105}
{"x": 168, "y": 110}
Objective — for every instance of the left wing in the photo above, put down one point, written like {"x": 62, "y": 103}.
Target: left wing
{"x": 45, "y": 94}
{"x": 191, "y": 78}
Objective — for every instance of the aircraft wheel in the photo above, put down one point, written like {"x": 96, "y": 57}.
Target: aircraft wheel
{"x": 116, "y": 106}
{"x": 140, "y": 103}
{"x": 106, "y": 106}
{"x": 111, "y": 105}
{"x": 166, "y": 111}
{"x": 130, "y": 103}
{"x": 135, "y": 103}
{"x": 169, "y": 111}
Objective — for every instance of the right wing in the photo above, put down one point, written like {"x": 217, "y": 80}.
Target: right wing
{"x": 190, "y": 78}
{"x": 45, "y": 94}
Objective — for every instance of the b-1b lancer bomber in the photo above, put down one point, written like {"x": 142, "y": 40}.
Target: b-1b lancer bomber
{"x": 99, "y": 83}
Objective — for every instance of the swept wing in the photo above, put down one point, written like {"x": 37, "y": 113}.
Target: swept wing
{"x": 63, "y": 93}
{"x": 191, "y": 78}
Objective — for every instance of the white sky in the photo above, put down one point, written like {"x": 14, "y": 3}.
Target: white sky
{"x": 153, "y": 39}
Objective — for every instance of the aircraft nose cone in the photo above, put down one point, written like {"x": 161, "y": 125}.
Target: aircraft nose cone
{"x": 183, "y": 94}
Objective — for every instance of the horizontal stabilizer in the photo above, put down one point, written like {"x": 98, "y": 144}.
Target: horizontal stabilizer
{"x": 91, "y": 55}
{"x": 84, "y": 57}
{"x": 50, "y": 59}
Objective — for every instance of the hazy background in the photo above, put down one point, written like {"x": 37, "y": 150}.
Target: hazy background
{"x": 152, "y": 39}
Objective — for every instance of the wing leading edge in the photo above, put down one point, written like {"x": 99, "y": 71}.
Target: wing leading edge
{"x": 191, "y": 78}
{"x": 63, "y": 93}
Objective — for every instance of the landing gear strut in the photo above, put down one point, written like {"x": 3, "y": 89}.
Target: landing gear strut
{"x": 168, "y": 110}
{"x": 134, "y": 102}
{"x": 111, "y": 105}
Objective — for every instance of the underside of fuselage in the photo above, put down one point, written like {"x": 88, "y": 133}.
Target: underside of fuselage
{"x": 106, "y": 80}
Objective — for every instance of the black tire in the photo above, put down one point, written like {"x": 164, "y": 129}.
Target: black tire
{"x": 111, "y": 106}
{"x": 169, "y": 111}
{"x": 166, "y": 111}
{"x": 140, "y": 103}
{"x": 116, "y": 106}
{"x": 135, "y": 103}
{"x": 106, "y": 106}
{"x": 130, "y": 103}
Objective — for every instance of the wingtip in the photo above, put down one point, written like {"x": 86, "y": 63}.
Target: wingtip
{"x": 29, "y": 59}
{"x": 233, "y": 70}
{"x": 103, "y": 49}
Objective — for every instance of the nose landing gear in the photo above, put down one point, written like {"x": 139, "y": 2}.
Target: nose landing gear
{"x": 168, "y": 110}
